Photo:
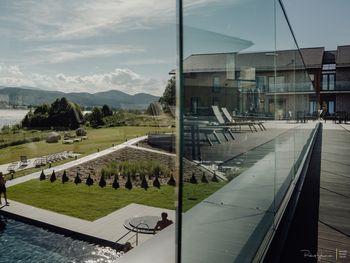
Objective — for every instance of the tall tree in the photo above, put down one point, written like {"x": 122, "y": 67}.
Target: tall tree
{"x": 169, "y": 95}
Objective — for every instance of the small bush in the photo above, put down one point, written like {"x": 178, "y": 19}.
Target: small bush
{"x": 172, "y": 181}
{"x": 64, "y": 177}
{"x": 204, "y": 179}
{"x": 89, "y": 181}
{"x": 128, "y": 184}
{"x": 102, "y": 182}
{"x": 42, "y": 175}
{"x": 144, "y": 183}
{"x": 115, "y": 184}
{"x": 77, "y": 179}
{"x": 215, "y": 178}
{"x": 53, "y": 177}
{"x": 193, "y": 179}
{"x": 156, "y": 182}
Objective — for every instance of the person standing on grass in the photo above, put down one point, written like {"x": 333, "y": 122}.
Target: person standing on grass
{"x": 3, "y": 188}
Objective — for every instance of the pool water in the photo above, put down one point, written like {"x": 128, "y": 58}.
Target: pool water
{"x": 21, "y": 242}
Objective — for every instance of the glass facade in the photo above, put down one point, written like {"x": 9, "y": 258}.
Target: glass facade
{"x": 242, "y": 69}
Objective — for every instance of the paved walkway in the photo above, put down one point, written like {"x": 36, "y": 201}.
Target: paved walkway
{"x": 334, "y": 208}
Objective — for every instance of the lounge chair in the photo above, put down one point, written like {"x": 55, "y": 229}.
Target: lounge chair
{"x": 231, "y": 119}
{"x": 233, "y": 123}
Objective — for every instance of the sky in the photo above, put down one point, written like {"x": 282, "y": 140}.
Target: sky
{"x": 130, "y": 45}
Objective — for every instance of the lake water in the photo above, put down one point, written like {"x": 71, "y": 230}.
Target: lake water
{"x": 11, "y": 116}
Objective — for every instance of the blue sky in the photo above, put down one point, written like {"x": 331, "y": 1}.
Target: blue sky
{"x": 130, "y": 45}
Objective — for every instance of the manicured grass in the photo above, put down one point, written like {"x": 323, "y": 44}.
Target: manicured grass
{"x": 89, "y": 203}
{"x": 97, "y": 139}
{"x": 195, "y": 193}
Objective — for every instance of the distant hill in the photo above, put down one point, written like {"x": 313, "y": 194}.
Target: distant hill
{"x": 113, "y": 98}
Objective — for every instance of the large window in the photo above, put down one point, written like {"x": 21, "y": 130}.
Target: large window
{"x": 328, "y": 81}
{"x": 216, "y": 85}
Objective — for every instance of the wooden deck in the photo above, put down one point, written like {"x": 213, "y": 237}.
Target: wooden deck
{"x": 334, "y": 208}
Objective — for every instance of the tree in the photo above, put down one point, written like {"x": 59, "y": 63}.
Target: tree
{"x": 144, "y": 183}
{"x": 169, "y": 95}
{"x": 128, "y": 184}
{"x": 204, "y": 179}
{"x": 64, "y": 177}
{"x": 42, "y": 175}
{"x": 172, "y": 181}
{"x": 193, "y": 179}
{"x": 156, "y": 182}
{"x": 96, "y": 117}
{"x": 89, "y": 181}
{"x": 102, "y": 182}
{"x": 77, "y": 179}
{"x": 106, "y": 110}
{"x": 215, "y": 178}
{"x": 53, "y": 177}
{"x": 115, "y": 184}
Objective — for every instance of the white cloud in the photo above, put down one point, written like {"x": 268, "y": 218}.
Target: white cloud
{"x": 51, "y": 19}
{"x": 120, "y": 79}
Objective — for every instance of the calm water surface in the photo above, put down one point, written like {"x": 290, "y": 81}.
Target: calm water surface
{"x": 11, "y": 116}
{"x": 21, "y": 242}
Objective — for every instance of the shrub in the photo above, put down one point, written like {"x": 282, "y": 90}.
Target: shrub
{"x": 102, "y": 182}
{"x": 215, "y": 178}
{"x": 172, "y": 181}
{"x": 42, "y": 175}
{"x": 64, "y": 177}
{"x": 77, "y": 179}
{"x": 115, "y": 184}
{"x": 156, "y": 182}
{"x": 53, "y": 177}
{"x": 89, "y": 181}
{"x": 144, "y": 183}
{"x": 204, "y": 179}
{"x": 128, "y": 184}
{"x": 193, "y": 179}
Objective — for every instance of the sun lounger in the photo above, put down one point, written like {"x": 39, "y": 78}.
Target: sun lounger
{"x": 221, "y": 121}
{"x": 231, "y": 119}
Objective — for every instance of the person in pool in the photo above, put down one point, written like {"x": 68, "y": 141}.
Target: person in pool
{"x": 3, "y": 188}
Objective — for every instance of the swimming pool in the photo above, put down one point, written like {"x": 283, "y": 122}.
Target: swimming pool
{"x": 21, "y": 242}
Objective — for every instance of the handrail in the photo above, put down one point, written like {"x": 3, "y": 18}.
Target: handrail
{"x": 133, "y": 230}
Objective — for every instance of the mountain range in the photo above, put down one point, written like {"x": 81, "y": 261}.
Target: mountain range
{"x": 114, "y": 98}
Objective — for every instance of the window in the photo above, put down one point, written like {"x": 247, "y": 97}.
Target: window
{"x": 328, "y": 81}
{"x": 331, "y": 106}
{"x": 328, "y": 67}
{"x": 261, "y": 83}
{"x": 278, "y": 86}
{"x": 216, "y": 85}
{"x": 312, "y": 108}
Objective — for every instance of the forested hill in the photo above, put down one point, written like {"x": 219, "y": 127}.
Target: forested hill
{"x": 113, "y": 98}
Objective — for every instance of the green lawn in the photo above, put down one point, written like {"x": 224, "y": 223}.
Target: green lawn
{"x": 89, "y": 203}
{"x": 194, "y": 193}
{"x": 98, "y": 139}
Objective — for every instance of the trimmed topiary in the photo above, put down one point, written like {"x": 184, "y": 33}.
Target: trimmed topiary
{"x": 89, "y": 181}
{"x": 77, "y": 179}
{"x": 102, "y": 182}
{"x": 53, "y": 177}
{"x": 64, "y": 177}
{"x": 215, "y": 178}
{"x": 128, "y": 184}
{"x": 156, "y": 182}
{"x": 115, "y": 184}
{"x": 144, "y": 183}
{"x": 193, "y": 179}
{"x": 42, "y": 175}
{"x": 172, "y": 181}
{"x": 204, "y": 179}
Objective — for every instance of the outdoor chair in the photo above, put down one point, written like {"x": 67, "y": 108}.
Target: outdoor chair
{"x": 222, "y": 122}
{"x": 231, "y": 119}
